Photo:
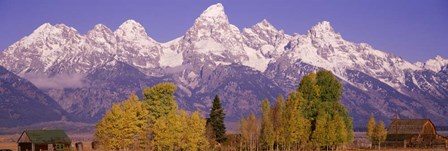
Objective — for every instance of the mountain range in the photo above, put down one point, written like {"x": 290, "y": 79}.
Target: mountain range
{"x": 78, "y": 77}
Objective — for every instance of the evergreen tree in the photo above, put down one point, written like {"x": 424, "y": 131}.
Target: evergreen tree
{"x": 217, "y": 120}
{"x": 267, "y": 129}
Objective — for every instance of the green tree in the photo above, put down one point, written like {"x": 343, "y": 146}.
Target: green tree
{"x": 322, "y": 92}
{"x": 311, "y": 93}
{"x": 320, "y": 136}
{"x": 380, "y": 133}
{"x": 370, "y": 128}
{"x": 217, "y": 120}
{"x": 340, "y": 129}
{"x": 267, "y": 128}
{"x": 330, "y": 87}
{"x": 159, "y": 100}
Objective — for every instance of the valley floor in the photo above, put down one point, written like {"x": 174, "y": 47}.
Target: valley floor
{"x": 360, "y": 142}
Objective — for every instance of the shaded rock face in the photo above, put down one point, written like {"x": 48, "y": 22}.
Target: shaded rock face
{"x": 23, "y": 103}
{"x": 86, "y": 74}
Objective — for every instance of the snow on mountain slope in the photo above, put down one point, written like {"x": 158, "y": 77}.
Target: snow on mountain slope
{"x": 323, "y": 47}
{"x": 135, "y": 47}
{"x": 435, "y": 64}
{"x": 61, "y": 49}
{"x": 374, "y": 80}
{"x": 171, "y": 57}
{"x": 265, "y": 38}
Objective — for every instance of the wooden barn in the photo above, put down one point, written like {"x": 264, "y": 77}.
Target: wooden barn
{"x": 414, "y": 133}
{"x": 40, "y": 140}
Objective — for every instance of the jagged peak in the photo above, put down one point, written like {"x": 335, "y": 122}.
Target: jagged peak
{"x": 436, "y": 64}
{"x": 264, "y": 24}
{"x": 130, "y": 25}
{"x": 216, "y": 10}
{"x": 43, "y": 27}
{"x": 47, "y": 27}
{"x": 99, "y": 28}
{"x": 131, "y": 30}
{"x": 438, "y": 57}
{"x": 323, "y": 26}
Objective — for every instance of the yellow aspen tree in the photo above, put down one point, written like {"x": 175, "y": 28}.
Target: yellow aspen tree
{"x": 370, "y": 129}
{"x": 267, "y": 134}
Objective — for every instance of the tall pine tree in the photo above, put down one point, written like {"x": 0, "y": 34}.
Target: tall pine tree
{"x": 217, "y": 120}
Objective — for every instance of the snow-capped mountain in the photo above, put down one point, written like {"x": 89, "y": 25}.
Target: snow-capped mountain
{"x": 85, "y": 74}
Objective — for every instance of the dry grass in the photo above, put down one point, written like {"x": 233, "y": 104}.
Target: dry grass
{"x": 9, "y": 141}
{"x": 13, "y": 146}
{"x": 8, "y": 145}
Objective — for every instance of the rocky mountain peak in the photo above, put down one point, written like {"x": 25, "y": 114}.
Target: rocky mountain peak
{"x": 323, "y": 30}
{"x": 214, "y": 11}
{"x": 99, "y": 29}
{"x": 323, "y": 26}
{"x": 43, "y": 27}
{"x": 131, "y": 30}
{"x": 213, "y": 17}
{"x": 47, "y": 29}
{"x": 436, "y": 64}
{"x": 265, "y": 24}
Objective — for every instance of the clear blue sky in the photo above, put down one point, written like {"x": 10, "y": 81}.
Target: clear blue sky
{"x": 414, "y": 30}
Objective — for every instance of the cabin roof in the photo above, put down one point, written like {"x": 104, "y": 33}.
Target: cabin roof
{"x": 408, "y": 126}
{"x": 44, "y": 136}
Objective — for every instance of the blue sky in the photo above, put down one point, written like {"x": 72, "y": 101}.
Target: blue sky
{"x": 414, "y": 30}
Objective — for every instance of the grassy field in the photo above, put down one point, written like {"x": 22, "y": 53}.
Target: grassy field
{"x": 360, "y": 142}
{"x": 9, "y": 141}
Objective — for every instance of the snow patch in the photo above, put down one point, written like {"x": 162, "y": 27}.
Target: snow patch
{"x": 256, "y": 59}
{"x": 171, "y": 58}
{"x": 209, "y": 46}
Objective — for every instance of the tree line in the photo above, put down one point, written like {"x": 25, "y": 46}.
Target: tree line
{"x": 152, "y": 123}
{"x": 311, "y": 117}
